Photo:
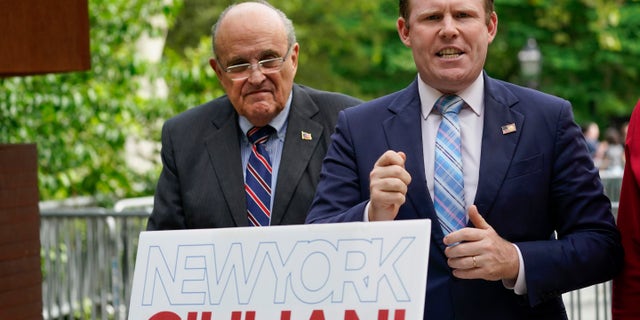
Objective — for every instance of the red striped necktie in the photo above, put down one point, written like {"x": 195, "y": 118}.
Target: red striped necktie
{"x": 258, "y": 178}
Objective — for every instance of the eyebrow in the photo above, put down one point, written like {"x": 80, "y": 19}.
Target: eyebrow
{"x": 241, "y": 60}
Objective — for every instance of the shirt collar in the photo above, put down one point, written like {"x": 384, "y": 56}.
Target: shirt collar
{"x": 277, "y": 123}
{"x": 472, "y": 95}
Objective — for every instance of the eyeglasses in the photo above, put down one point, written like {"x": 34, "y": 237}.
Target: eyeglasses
{"x": 242, "y": 71}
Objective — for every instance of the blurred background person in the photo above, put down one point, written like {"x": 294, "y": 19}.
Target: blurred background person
{"x": 613, "y": 159}
{"x": 591, "y": 132}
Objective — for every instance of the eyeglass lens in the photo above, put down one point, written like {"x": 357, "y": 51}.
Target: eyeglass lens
{"x": 242, "y": 71}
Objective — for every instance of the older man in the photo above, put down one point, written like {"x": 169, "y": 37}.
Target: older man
{"x": 219, "y": 170}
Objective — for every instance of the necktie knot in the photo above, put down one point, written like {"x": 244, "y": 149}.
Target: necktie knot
{"x": 449, "y": 103}
{"x": 259, "y": 135}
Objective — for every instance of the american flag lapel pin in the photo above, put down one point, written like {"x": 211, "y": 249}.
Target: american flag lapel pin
{"x": 305, "y": 135}
{"x": 509, "y": 128}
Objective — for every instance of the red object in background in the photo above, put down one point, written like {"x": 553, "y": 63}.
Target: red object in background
{"x": 626, "y": 287}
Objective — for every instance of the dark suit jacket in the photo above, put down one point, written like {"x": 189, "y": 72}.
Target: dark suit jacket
{"x": 202, "y": 184}
{"x": 534, "y": 181}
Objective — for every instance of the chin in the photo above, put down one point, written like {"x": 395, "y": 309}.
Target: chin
{"x": 457, "y": 78}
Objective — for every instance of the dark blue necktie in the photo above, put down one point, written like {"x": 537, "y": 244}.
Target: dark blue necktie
{"x": 258, "y": 178}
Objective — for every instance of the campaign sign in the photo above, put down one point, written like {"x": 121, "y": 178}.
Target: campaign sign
{"x": 350, "y": 271}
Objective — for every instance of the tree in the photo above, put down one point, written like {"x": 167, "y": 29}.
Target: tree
{"x": 80, "y": 121}
{"x": 588, "y": 50}
{"x": 588, "y": 47}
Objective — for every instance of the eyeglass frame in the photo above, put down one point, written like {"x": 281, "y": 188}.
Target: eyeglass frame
{"x": 248, "y": 67}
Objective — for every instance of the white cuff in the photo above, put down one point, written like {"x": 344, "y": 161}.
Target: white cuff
{"x": 520, "y": 285}
{"x": 365, "y": 216}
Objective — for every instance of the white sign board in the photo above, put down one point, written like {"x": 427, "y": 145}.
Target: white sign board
{"x": 350, "y": 271}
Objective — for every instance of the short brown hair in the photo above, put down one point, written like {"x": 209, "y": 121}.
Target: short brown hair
{"x": 405, "y": 10}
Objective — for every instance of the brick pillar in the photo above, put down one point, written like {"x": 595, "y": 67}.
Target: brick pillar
{"x": 20, "y": 274}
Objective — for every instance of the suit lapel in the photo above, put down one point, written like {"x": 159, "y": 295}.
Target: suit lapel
{"x": 498, "y": 146}
{"x": 297, "y": 152}
{"x": 224, "y": 153}
{"x": 404, "y": 133}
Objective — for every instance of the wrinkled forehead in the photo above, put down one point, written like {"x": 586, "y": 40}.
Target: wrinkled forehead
{"x": 250, "y": 25}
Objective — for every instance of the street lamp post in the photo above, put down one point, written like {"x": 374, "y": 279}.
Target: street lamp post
{"x": 530, "y": 63}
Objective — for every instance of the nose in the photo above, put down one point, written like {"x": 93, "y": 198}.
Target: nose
{"x": 255, "y": 74}
{"x": 449, "y": 28}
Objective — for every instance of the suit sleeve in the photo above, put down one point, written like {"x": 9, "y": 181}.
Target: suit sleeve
{"x": 339, "y": 197}
{"x": 167, "y": 213}
{"x": 587, "y": 249}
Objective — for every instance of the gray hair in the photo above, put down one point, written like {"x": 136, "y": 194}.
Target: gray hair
{"x": 288, "y": 25}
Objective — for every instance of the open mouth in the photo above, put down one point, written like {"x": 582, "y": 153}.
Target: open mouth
{"x": 449, "y": 53}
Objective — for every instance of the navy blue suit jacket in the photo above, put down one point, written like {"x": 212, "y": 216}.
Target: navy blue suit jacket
{"x": 534, "y": 183}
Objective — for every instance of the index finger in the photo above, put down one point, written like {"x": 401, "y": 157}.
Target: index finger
{"x": 459, "y": 236}
{"x": 391, "y": 157}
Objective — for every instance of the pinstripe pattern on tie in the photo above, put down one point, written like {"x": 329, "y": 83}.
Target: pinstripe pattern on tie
{"x": 258, "y": 178}
{"x": 448, "y": 177}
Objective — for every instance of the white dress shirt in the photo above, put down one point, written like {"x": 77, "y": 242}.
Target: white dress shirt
{"x": 471, "y": 124}
{"x": 273, "y": 146}
{"x": 471, "y": 121}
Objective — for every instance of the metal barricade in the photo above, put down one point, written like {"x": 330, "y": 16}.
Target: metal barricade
{"x": 612, "y": 183}
{"x": 88, "y": 259}
{"x": 594, "y": 302}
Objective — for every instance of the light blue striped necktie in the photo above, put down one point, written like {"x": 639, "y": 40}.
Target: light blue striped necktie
{"x": 448, "y": 177}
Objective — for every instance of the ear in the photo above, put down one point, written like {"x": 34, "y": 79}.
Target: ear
{"x": 295, "y": 50}
{"x": 403, "y": 31}
{"x": 216, "y": 67}
{"x": 492, "y": 27}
